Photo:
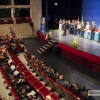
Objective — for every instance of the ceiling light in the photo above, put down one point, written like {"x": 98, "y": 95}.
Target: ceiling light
{"x": 55, "y": 4}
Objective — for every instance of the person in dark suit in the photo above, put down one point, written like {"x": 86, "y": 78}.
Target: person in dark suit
{"x": 93, "y": 27}
{"x": 61, "y": 81}
{"x": 82, "y": 29}
{"x": 66, "y": 28}
{"x": 72, "y": 27}
{"x": 75, "y": 27}
{"x": 69, "y": 29}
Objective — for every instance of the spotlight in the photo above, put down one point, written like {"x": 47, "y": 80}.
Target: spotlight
{"x": 55, "y": 4}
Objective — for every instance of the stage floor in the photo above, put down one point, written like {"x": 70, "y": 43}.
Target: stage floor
{"x": 86, "y": 45}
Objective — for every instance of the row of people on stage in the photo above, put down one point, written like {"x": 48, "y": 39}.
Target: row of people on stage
{"x": 76, "y": 27}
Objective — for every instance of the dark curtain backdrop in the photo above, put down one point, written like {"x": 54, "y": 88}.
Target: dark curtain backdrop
{"x": 66, "y": 9}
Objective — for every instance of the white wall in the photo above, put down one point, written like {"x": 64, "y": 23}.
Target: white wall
{"x": 24, "y": 30}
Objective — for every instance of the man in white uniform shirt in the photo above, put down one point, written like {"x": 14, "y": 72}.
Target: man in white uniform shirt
{"x": 79, "y": 28}
{"x": 87, "y": 28}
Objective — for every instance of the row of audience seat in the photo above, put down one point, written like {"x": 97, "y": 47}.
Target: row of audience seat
{"x": 39, "y": 87}
{"x": 8, "y": 84}
{"x": 51, "y": 83}
{"x": 37, "y": 84}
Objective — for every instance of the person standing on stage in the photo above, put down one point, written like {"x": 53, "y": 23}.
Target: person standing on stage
{"x": 79, "y": 28}
{"x": 66, "y": 28}
{"x": 75, "y": 27}
{"x": 72, "y": 27}
{"x": 93, "y": 27}
{"x": 69, "y": 30}
{"x": 82, "y": 29}
{"x": 87, "y": 28}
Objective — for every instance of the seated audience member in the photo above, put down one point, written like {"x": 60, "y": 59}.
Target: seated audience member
{"x": 33, "y": 57}
{"x": 75, "y": 88}
{"x": 53, "y": 74}
{"x": 61, "y": 81}
{"x": 14, "y": 37}
{"x": 47, "y": 71}
{"x": 28, "y": 54}
{"x": 34, "y": 97}
{"x": 49, "y": 98}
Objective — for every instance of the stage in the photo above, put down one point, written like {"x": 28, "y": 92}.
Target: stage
{"x": 86, "y": 45}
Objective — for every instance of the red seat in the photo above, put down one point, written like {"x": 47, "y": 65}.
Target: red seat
{"x": 31, "y": 79}
{"x": 26, "y": 74}
{"x": 37, "y": 84}
{"x": 22, "y": 69}
{"x": 54, "y": 96}
{"x": 44, "y": 92}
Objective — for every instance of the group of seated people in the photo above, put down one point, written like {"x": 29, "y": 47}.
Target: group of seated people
{"x": 21, "y": 86}
{"x": 53, "y": 74}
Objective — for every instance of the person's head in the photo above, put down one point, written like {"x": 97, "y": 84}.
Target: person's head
{"x": 82, "y": 23}
{"x": 48, "y": 70}
{"x": 73, "y": 20}
{"x": 79, "y": 22}
{"x": 52, "y": 70}
{"x": 60, "y": 77}
{"x": 87, "y": 23}
{"x": 48, "y": 97}
{"x": 33, "y": 57}
{"x": 66, "y": 21}
{"x": 60, "y": 19}
{"x": 93, "y": 23}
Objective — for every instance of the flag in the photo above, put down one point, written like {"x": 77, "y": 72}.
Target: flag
{"x": 82, "y": 19}
{"x": 78, "y": 20}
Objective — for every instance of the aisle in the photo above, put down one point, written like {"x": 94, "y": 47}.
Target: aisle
{"x": 4, "y": 92}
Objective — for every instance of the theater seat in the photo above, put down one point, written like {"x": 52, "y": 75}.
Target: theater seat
{"x": 38, "y": 85}
{"x": 54, "y": 96}
{"x": 50, "y": 83}
{"x": 44, "y": 92}
{"x": 59, "y": 90}
{"x": 26, "y": 74}
{"x": 31, "y": 79}
{"x": 67, "y": 94}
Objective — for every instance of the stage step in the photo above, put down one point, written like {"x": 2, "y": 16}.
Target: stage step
{"x": 47, "y": 48}
{"x": 42, "y": 49}
{"x": 48, "y": 45}
{"x": 39, "y": 51}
